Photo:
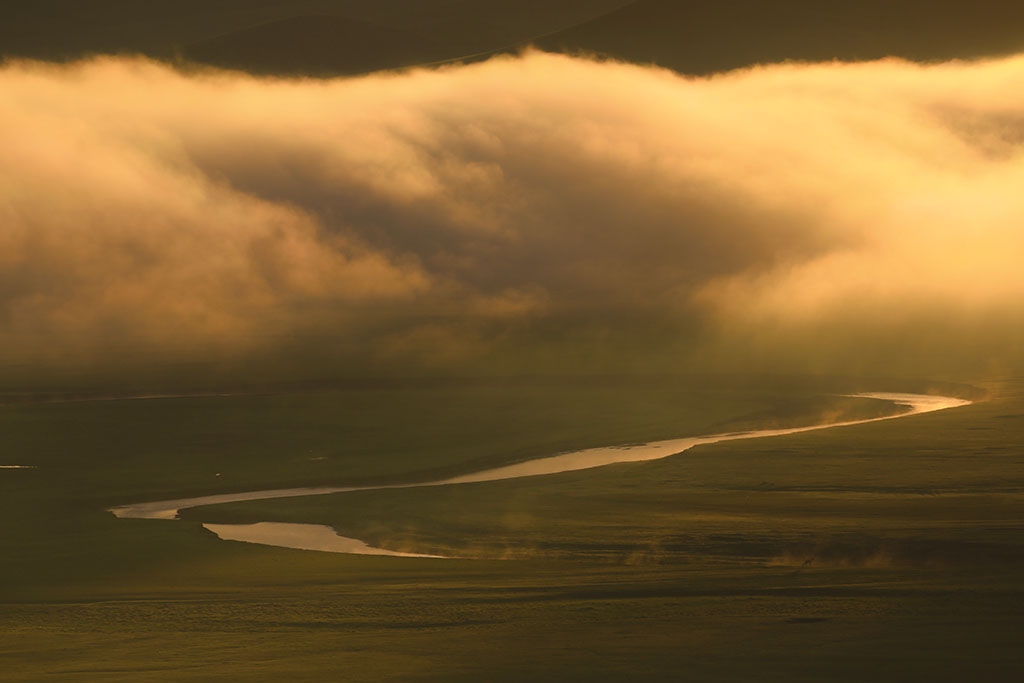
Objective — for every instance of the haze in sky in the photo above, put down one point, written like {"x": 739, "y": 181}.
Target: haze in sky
{"x": 529, "y": 213}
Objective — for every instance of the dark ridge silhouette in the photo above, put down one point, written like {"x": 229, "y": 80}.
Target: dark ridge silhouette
{"x": 702, "y": 38}
{"x": 316, "y": 45}
{"x": 328, "y": 37}
{"x": 164, "y": 29}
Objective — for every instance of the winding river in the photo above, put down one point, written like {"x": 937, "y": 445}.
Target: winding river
{"x": 323, "y": 538}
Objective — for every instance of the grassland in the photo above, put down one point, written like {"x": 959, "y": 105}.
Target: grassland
{"x": 891, "y": 551}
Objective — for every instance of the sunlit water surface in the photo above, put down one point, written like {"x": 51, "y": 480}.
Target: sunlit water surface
{"x": 325, "y": 539}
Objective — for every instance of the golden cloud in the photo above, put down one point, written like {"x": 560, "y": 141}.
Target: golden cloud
{"x": 458, "y": 215}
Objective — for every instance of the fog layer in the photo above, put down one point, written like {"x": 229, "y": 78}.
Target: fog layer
{"x": 525, "y": 214}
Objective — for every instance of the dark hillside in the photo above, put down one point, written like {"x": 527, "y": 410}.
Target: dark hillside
{"x": 237, "y": 29}
{"x": 317, "y": 45}
{"x": 705, "y": 37}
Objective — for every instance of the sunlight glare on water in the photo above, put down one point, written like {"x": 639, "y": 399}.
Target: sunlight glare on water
{"x": 325, "y": 539}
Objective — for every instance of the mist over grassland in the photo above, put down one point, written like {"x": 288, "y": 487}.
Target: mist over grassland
{"x": 269, "y": 276}
{"x": 528, "y": 214}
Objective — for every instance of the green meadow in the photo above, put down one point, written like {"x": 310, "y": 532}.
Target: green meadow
{"x": 890, "y": 550}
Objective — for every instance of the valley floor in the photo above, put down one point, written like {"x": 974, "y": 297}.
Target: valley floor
{"x": 889, "y": 551}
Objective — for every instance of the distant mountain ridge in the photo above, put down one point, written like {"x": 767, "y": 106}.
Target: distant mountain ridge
{"x": 285, "y": 36}
{"x": 316, "y": 45}
{"x": 704, "y": 37}
{"x": 337, "y": 37}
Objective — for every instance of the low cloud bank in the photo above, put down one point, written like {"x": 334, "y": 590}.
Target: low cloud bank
{"x": 531, "y": 213}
